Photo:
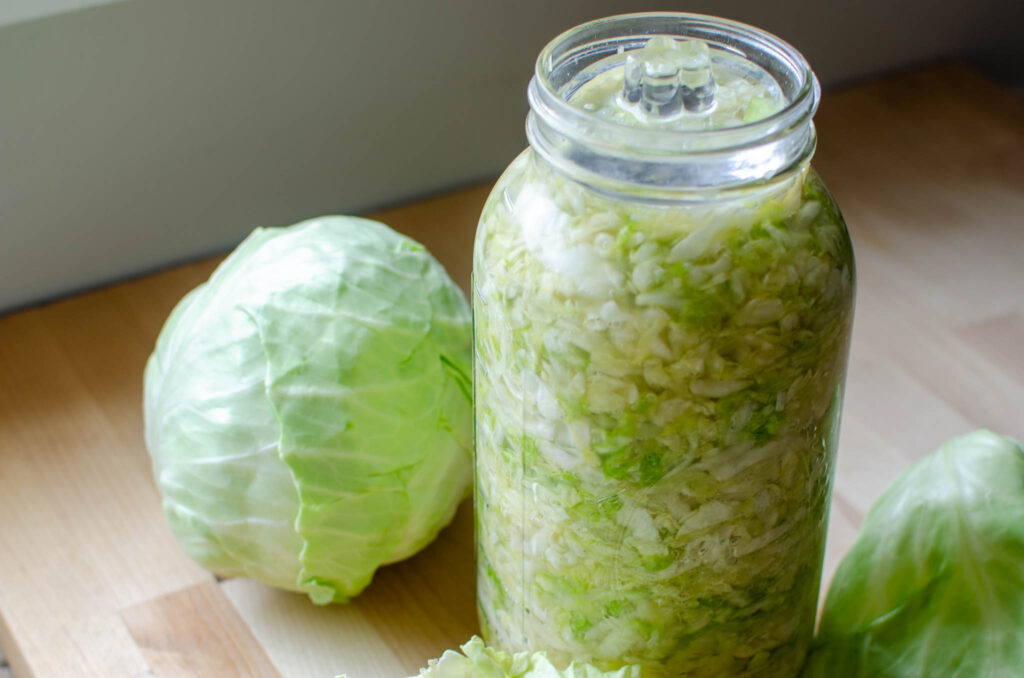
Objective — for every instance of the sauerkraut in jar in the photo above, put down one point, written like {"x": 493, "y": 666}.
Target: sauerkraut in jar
{"x": 662, "y": 300}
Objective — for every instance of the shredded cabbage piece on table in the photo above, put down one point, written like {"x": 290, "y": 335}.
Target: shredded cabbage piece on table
{"x": 479, "y": 661}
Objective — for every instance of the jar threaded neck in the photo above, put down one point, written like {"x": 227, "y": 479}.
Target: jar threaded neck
{"x": 612, "y": 155}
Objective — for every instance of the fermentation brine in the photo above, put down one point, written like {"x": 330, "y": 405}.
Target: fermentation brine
{"x": 662, "y": 297}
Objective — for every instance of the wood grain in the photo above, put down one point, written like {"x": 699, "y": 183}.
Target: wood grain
{"x": 196, "y": 632}
{"x": 929, "y": 170}
{"x": 413, "y": 611}
{"x": 82, "y": 529}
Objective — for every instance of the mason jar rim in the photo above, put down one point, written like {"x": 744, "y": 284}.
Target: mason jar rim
{"x": 628, "y": 158}
{"x": 547, "y": 99}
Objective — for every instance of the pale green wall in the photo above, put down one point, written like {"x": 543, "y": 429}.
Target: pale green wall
{"x": 146, "y": 132}
{"x": 16, "y": 11}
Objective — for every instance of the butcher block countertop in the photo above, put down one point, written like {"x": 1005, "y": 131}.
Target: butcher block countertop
{"x": 928, "y": 168}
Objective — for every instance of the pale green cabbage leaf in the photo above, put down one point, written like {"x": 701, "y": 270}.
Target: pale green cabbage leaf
{"x": 308, "y": 409}
{"x": 934, "y": 585}
{"x": 479, "y": 661}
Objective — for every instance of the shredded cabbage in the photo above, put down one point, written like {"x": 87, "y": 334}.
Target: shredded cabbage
{"x": 658, "y": 391}
{"x": 479, "y": 661}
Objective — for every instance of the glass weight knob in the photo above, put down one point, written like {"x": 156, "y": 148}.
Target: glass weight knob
{"x": 669, "y": 77}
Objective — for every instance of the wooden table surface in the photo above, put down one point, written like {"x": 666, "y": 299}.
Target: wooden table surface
{"x": 929, "y": 170}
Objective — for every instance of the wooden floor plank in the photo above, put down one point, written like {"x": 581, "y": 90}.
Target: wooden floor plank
{"x": 308, "y": 641}
{"x": 197, "y": 633}
{"x": 1000, "y": 339}
{"x": 83, "y": 530}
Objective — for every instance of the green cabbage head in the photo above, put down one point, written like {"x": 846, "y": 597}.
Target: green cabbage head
{"x": 934, "y": 585}
{"x": 308, "y": 408}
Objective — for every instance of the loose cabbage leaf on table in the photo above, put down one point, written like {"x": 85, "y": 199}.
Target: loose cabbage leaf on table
{"x": 934, "y": 585}
{"x": 479, "y": 661}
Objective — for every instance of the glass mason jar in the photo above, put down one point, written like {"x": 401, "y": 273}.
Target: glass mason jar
{"x": 662, "y": 298}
